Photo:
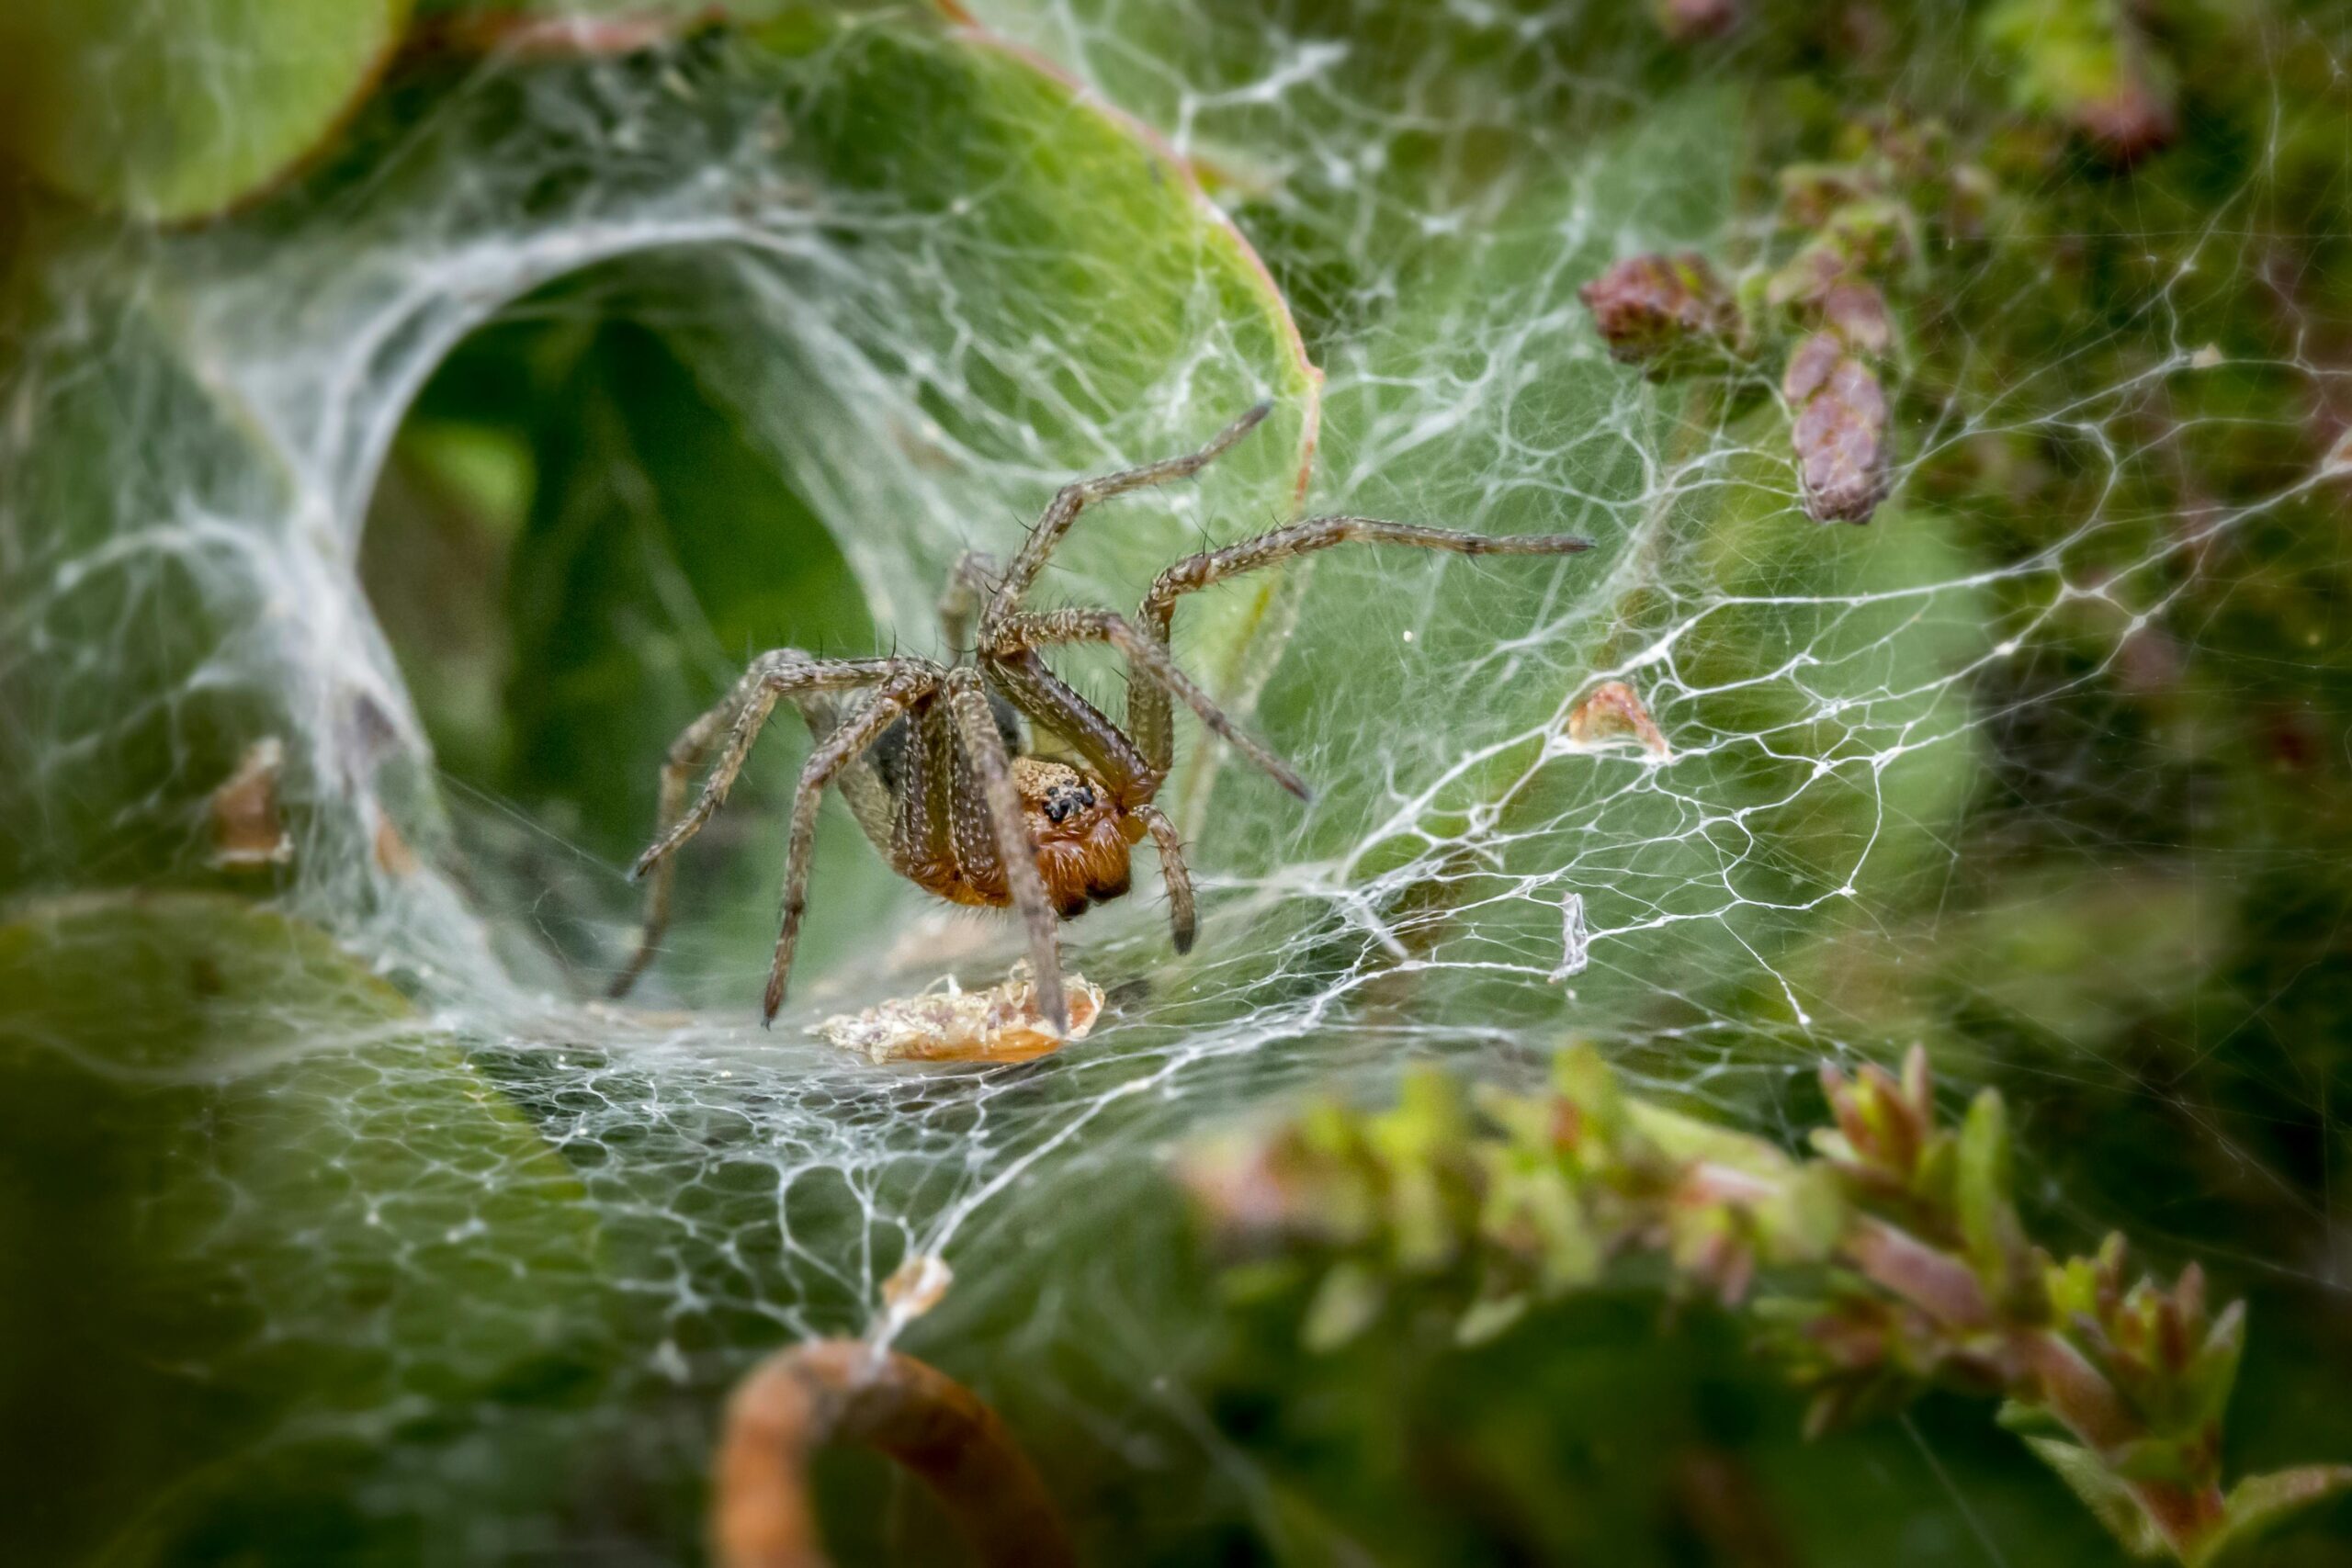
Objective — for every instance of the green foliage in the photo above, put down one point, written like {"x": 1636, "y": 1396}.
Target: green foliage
{"x": 2083, "y": 62}
{"x": 179, "y": 113}
{"x": 344, "y": 1231}
{"x": 1093, "y": 250}
{"x": 267, "y": 1233}
{"x": 1893, "y": 1260}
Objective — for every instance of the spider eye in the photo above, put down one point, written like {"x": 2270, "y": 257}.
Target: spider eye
{"x": 1063, "y": 801}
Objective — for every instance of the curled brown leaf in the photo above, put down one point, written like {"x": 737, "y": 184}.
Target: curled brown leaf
{"x": 845, "y": 1391}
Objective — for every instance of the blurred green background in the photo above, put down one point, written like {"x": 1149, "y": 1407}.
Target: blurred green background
{"x": 454, "y": 397}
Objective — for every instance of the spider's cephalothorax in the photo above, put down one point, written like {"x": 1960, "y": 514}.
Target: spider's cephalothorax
{"x": 932, "y": 758}
{"x": 1081, "y": 833}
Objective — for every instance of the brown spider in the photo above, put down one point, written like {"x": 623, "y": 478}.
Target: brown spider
{"x": 933, "y": 763}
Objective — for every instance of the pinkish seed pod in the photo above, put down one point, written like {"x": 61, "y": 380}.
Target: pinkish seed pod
{"x": 1857, "y": 313}
{"x": 1810, "y": 367}
{"x": 1841, "y": 430}
{"x": 1651, "y": 309}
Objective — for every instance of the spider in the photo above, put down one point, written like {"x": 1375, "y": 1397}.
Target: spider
{"x": 934, "y": 762}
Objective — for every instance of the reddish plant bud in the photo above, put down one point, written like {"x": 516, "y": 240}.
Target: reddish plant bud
{"x": 1841, "y": 435}
{"x": 1652, "y": 310}
{"x": 1806, "y": 277}
{"x": 1811, "y": 193}
{"x": 2128, "y": 121}
{"x": 1687, "y": 21}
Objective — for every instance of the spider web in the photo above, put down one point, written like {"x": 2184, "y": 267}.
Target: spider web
{"x": 1886, "y": 746}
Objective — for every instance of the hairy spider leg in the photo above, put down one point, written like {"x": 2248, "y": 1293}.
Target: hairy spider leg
{"x": 1173, "y": 871}
{"x": 1049, "y": 701}
{"x": 1046, "y": 699}
{"x": 785, "y": 672}
{"x": 970, "y": 583}
{"x": 1146, "y": 659}
{"x": 1148, "y": 710}
{"x": 1074, "y": 497}
{"x": 932, "y": 836}
{"x": 835, "y": 752}
{"x": 984, "y": 748}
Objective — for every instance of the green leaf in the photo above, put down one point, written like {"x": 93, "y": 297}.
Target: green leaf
{"x": 2066, "y": 54}
{"x": 2015, "y": 1416}
{"x": 171, "y": 112}
{"x": 2174, "y": 1460}
{"x": 1988, "y": 1220}
{"x": 146, "y": 745}
{"x": 1531, "y": 1213}
{"x": 2260, "y": 1503}
{"x": 707, "y": 492}
{"x": 1873, "y": 618}
{"x": 1583, "y": 1077}
{"x": 2213, "y": 1373}
{"x": 1488, "y": 1318}
{"x": 1680, "y": 1138}
{"x": 2068, "y": 961}
{"x": 1423, "y": 1144}
{"x": 254, "y": 1206}
{"x": 994, "y": 283}
{"x": 1807, "y": 1216}
{"x": 2109, "y": 1501}
{"x": 1346, "y": 1302}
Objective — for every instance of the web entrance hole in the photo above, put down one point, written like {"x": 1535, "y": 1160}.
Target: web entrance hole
{"x": 573, "y": 547}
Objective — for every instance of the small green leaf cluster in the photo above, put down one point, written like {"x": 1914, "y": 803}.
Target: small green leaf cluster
{"x": 2086, "y": 63}
{"x": 1889, "y": 1260}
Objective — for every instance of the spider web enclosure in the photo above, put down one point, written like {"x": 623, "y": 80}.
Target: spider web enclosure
{"x": 395, "y": 458}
